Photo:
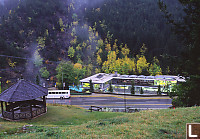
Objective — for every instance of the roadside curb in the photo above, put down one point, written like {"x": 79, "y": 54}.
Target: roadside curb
{"x": 133, "y": 95}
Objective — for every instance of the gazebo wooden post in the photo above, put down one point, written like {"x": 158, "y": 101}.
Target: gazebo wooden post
{"x": 44, "y": 101}
{"x": 13, "y": 114}
{"x": 6, "y": 106}
{"x": 31, "y": 110}
{"x": 2, "y": 108}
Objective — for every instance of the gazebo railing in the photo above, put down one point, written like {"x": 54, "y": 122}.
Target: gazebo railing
{"x": 24, "y": 115}
{"x": 7, "y": 114}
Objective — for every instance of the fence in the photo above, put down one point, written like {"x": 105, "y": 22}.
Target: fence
{"x": 24, "y": 115}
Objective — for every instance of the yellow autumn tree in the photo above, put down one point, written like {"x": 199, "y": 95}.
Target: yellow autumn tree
{"x": 131, "y": 64}
{"x": 47, "y": 32}
{"x": 118, "y": 65}
{"x": 125, "y": 50}
{"x": 99, "y": 51}
{"x": 11, "y": 64}
{"x": 78, "y": 48}
{"x": 108, "y": 47}
{"x": 41, "y": 42}
{"x": 77, "y": 66}
{"x": 115, "y": 47}
{"x": 99, "y": 61}
{"x": 143, "y": 49}
{"x": 109, "y": 65}
{"x": 84, "y": 44}
{"x": 89, "y": 69}
{"x": 142, "y": 64}
{"x": 97, "y": 70}
{"x": 61, "y": 25}
{"x": 73, "y": 41}
{"x": 100, "y": 43}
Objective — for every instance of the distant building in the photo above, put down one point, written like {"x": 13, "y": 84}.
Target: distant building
{"x": 123, "y": 82}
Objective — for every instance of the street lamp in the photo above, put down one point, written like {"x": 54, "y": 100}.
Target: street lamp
{"x": 124, "y": 97}
{"x": 62, "y": 78}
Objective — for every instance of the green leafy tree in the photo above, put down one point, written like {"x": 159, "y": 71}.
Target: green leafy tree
{"x": 79, "y": 72}
{"x": 155, "y": 68}
{"x": 71, "y": 52}
{"x": 44, "y": 72}
{"x": 124, "y": 68}
{"x": 65, "y": 70}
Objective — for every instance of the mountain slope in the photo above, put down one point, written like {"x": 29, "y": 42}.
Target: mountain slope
{"x": 137, "y": 22}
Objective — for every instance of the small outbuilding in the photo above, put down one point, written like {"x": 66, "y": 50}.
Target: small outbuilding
{"x": 23, "y": 100}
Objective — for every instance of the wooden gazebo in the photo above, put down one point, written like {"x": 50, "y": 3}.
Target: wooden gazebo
{"x": 23, "y": 100}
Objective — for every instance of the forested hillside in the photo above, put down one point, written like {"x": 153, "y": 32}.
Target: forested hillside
{"x": 6, "y": 6}
{"x": 137, "y": 22}
{"x": 130, "y": 37}
{"x": 32, "y": 31}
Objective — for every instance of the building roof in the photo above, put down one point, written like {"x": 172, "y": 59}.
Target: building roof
{"x": 98, "y": 78}
{"x": 103, "y": 78}
{"x": 22, "y": 91}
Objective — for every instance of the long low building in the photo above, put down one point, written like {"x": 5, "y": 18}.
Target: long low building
{"x": 122, "y": 83}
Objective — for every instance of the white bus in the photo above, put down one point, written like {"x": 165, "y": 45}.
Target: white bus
{"x": 58, "y": 94}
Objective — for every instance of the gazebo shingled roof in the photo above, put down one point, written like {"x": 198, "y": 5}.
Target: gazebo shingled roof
{"x": 22, "y": 91}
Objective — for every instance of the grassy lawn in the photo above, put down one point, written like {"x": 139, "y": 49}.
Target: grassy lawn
{"x": 72, "y": 122}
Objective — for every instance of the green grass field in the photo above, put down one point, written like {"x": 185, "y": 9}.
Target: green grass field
{"x": 72, "y": 122}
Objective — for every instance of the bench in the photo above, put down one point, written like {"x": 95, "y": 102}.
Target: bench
{"x": 95, "y": 108}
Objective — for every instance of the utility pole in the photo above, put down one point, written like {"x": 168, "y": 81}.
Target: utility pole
{"x": 62, "y": 79}
{"x": 124, "y": 97}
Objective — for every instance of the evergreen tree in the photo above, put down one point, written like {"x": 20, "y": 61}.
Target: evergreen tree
{"x": 91, "y": 87}
{"x": 141, "y": 91}
{"x": 159, "y": 90}
{"x": 37, "y": 80}
{"x": 133, "y": 87}
{"x": 167, "y": 89}
{"x": 110, "y": 88}
{"x": 187, "y": 93}
{"x": 154, "y": 68}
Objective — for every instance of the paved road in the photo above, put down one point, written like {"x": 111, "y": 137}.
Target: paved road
{"x": 115, "y": 101}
